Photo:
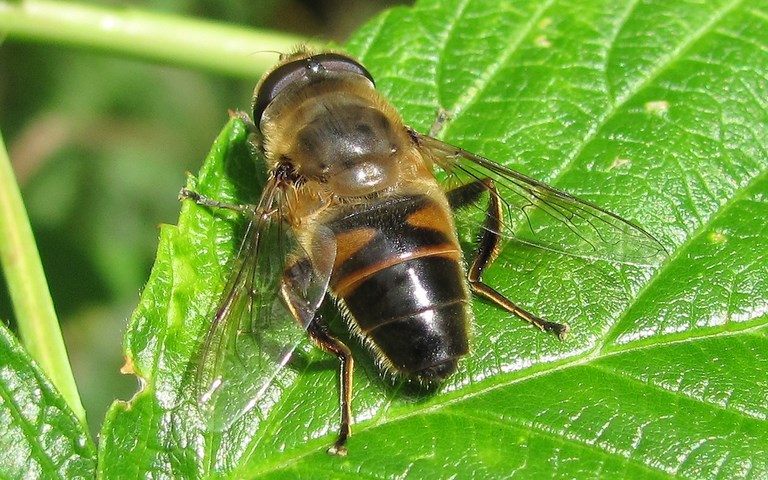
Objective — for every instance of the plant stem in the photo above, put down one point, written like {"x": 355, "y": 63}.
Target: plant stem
{"x": 35, "y": 315}
{"x": 204, "y": 45}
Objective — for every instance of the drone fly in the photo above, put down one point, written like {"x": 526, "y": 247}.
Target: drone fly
{"x": 352, "y": 212}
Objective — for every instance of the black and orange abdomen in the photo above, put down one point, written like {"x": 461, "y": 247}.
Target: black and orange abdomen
{"x": 399, "y": 278}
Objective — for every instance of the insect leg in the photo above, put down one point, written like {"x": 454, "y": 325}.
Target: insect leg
{"x": 207, "y": 202}
{"x": 488, "y": 247}
{"x": 319, "y": 334}
{"x": 295, "y": 281}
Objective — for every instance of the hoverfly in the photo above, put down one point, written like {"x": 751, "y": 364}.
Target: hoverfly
{"x": 352, "y": 212}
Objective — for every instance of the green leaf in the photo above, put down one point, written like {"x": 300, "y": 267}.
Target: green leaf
{"x": 655, "y": 111}
{"x": 41, "y": 436}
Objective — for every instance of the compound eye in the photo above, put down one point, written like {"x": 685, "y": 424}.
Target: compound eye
{"x": 275, "y": 82}
{"x": 305, "y": 69}
{"x": 334, "y": 62}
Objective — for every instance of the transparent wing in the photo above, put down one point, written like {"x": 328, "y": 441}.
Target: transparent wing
{"x": 253, "y": 333}
{"x": 537, "y": 214}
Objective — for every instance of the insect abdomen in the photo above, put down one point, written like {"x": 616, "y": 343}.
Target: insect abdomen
{"x": 399, "y": 277}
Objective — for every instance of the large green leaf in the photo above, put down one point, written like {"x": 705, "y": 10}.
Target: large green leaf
{"x": 41, "y": 436}
{"x": 655, "y": 110}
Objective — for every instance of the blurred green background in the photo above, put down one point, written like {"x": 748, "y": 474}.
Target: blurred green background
{"x": 100, "y": 146}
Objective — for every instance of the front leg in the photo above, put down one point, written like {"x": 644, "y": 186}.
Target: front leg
{"x": 207, "y": 202}
{"x": 488, "y": 248}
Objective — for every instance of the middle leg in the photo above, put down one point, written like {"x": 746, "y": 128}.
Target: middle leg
{"x": 488, "y": 247}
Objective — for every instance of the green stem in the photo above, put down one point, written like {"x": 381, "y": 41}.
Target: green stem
{"x": 204, "y": 45}
{"x": 35, "y": 316}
